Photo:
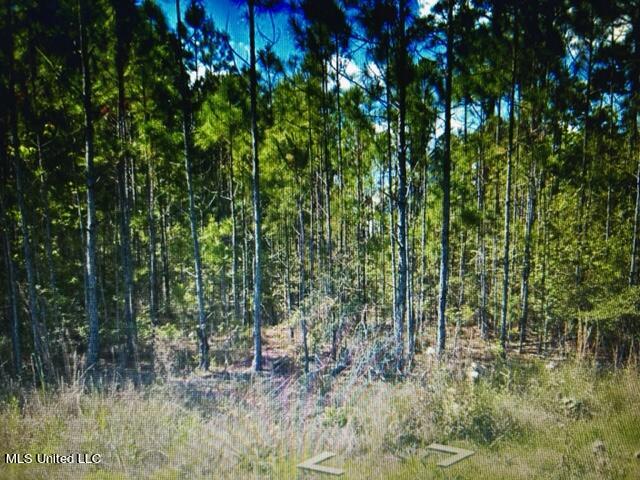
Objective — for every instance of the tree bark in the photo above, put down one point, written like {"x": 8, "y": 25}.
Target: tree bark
{"x": 151, "y": 226}
{"x": 234, "y": 236}
{"x": 187, "y": 145}
{"x": 526, "y": 266}
{"x": 257, "y": 211}
{"x": 635, "y": 148}
{"x": 423, "y": 248}
{"x": 401, "y": 200}
{"x": 121, "y": 55}
{"x": 91, "y": 234}
{"x": 301, "y": 288}
{"x": 507, "y": 199}
{"x": 390, "y": 193}
{"x": 482, "y": 254}
{"x": 446, "y": 191}
{"x": 38, "y": 330}
{"x": 48, "y": 243}
{"x": 633, "y": 271}
{"x": 11, "y": 291}
{"x": 245, "y": 268}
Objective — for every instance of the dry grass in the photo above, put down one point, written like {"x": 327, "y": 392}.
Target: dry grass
{"x": 515, "y": 418}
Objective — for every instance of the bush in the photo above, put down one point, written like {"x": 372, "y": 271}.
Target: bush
{"x": 472, "y": 414}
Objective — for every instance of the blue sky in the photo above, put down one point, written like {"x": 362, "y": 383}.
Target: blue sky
{"x": 231, "y": 16}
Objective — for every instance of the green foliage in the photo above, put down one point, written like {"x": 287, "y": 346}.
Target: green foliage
{"x": 623, "y": 306}
{"x": 328, "y": 161}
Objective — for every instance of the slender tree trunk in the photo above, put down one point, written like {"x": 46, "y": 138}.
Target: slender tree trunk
{"x": 257, "y": 211}
{"x": 382, "y": 253}
{"x": 245, "y": 262}
{"x": 343, "y": 223}
{"x": 423, "y": 248}
{"x": 311, "y": 193}
{"x": 390, "y": 193}
{"x": 610, "y": 159}
{"x": 302, "y": 289}
{"x": 91, "y": 235}
{"x": 401, "y": 200}
{"x": 186, "y": 133}
{"x": 234, "y": 237}
{"x": 164, "y": 256}
{"x": 48, "y": 243}
{"x": 482, "y": 254}
{"x": 583, "y": 170}
{"x": 34, "y": 311}
{"x": 287, "y": 269}
{"x": 582, "y": 202}
{"x": 11, "y": 291}
{"x": 153, "y": 264}
{"x": 545, "y": 256}
{"x": 361, "y": 274}
{"x": 327, "y": 281}
{"x": 301, "y": 250}
{"x": 411, "y": 320}
{"x": 446, "y": 190}
{"x": 635, "y": 147}
{"x": 127, "y": 274}
{"x": 526, "y": 266}
{"x": 507, "y": 200}
{"x": 121, "y": 55}
{"x": 633, "y": 271}
{"x": 151, "y": 225}
{"x": 494, "y": 237}
{"x": 32, "y": 113}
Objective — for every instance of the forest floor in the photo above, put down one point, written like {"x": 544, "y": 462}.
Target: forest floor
{"x": 528, "y": 417}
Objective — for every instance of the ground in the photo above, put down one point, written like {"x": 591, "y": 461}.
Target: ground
{"x": 526, "y": 417}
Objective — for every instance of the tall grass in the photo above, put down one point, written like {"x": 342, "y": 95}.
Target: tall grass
{"x": 522, "y": 421}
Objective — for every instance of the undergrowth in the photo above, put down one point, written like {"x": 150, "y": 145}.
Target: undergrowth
{"x": 516, "y": 417}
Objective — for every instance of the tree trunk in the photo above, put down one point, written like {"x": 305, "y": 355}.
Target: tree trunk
{"x": 301, "y": 288}
{"x": 507, "y": 199}
{"x": 121, "y": 55}
{"x": 482, "y": 254}
{"x": 287, "y": 269}
{"x": 633, "y": 271}
{"x": 583, "y": 174}
{"x": 245, "y": 268}
{"x": 257, "y": 211}
{"x": 48, "y": 243}
{"x": 545, "y": 256}
{"x": 411, "y": 320}
{"x": 392, "y": 219}
{"x": 234, "y": 237}
{"x": 460, "y": 302}
{"x": 186, "y": 134}
{"x": 343, "y": 223}
{"x": 446, "y": 191}
{"x": 11, "y": 291}
{"x": 401, "y": 200}
{"x": 91, "y": 235}
{"x": 164, "y": 255}
{"x": 635, "y": 148}
{"x": 423, "y": 248}
{"x": 37, "y": 328}
{"x": 327, "y": 280}
{"x": 361, "y": 272}
{"x": 151, "y": 225}
{"x": 526, "y": 266}
{"x": 40, "y": 349}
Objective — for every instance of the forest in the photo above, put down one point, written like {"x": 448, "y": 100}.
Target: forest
{"x": 360, "y": 226}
